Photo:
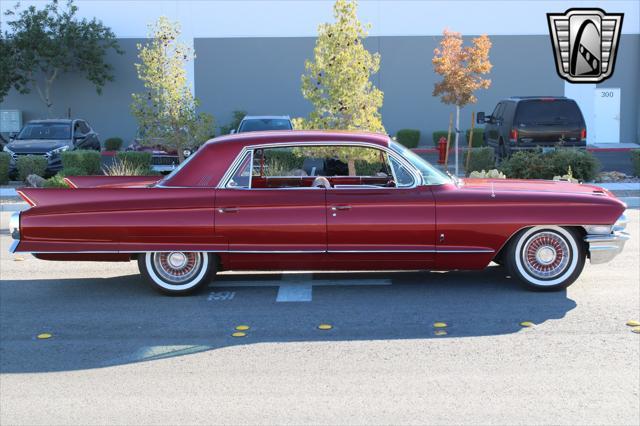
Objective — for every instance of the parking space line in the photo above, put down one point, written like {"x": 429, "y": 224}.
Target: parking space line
{"x": 294, "y": 293}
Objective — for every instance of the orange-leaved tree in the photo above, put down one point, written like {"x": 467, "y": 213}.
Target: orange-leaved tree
{"x": 462, "y": 69}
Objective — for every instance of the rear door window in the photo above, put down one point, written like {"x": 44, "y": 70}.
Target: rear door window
{"x": 548, "y": 113}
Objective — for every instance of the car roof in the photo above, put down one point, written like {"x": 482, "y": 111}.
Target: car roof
{"x": 266, "y": 117}
{"x": 52, "y": 120}
{"x": 283, "y": 136}
{"x": 541, "y": 98}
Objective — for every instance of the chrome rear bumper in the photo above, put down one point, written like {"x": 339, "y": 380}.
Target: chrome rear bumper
{"x": 14, "y": 231}
{"x": 603, "y": 248}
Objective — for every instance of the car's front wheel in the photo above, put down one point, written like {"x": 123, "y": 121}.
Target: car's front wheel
{"x": 177, "y": 273}
{"x": 546, "y": 257}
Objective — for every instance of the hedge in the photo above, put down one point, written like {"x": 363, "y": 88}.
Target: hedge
{"x": 57, "y": 181}
{"x": 478, "y": 137}
{"x": 113, "y": 144}
{"x": 136, "y": 159}
{"x": 635, "y": 160}
{"x": 31, "y": 165}
{"x": 85, "y": 160}
{"x": 5, "y": 160}
{"x": 408, "y": 137}
{"x": 481, "y": 159}
{"x": 441, "y": 133}
{"x": 538, "y": 165}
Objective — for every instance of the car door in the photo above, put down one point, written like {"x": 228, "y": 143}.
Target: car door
{"x": 258, "y": 219}
{"x": 492, "y": 129}
{"x": 393, "y": 223}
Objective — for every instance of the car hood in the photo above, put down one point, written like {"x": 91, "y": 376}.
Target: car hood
{"x": 36, "y": 145}
{"x": 532, "y": 185}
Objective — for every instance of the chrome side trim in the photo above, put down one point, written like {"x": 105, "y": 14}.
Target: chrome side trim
{"x": 269, "y": 251}
{"x": 603, "y": 248}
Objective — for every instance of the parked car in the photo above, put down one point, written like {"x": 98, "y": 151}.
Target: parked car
{"x": 256, "y": 123}
{"x": 163, "y": 160}
{"x": 49, "y": 138}
{"x": 312, "y": 200}
{"x": 530, "y": 122}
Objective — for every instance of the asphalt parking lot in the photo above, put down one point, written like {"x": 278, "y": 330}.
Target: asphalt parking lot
{"x": 119, "y": 353}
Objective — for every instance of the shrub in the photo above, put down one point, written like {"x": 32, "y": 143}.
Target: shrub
{"x": 536, "y": 165}
{"x": 85, "y": 160}
{"x": 408, "y": 137}
{"x": 31, "y": 165}
{"x": 478, "y": 137}
{"x": 481, "y": 159}
{"x": 584, "y": 166}
{"x": 135, "y": 159}
{"x": 488, "y": 174}
{"x": 5, "y": 160}
{"x": 635, "y": 160}
{"x": 438, "y": 134}
{"x": 125, "y": 168}
{"x": 113, "y": 144}
{"x": 56, "y": 181}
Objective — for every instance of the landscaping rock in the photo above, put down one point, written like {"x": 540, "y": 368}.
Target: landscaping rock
{"x": 35, "y": 181}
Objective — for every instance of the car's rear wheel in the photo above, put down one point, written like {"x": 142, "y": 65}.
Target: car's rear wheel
{"x": 546, "y": 257}
{"x": 176, "y": 273}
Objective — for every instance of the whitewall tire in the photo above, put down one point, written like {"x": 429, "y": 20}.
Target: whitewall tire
{"x": 546, "y": 257}
{"x": 176, "y": 273}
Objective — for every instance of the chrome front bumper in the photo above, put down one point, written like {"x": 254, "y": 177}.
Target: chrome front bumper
{"x": 606, "y": 242}
{"x": 603, "y": 248}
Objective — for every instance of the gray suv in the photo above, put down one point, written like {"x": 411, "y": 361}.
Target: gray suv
{"x": 49, "y": 138}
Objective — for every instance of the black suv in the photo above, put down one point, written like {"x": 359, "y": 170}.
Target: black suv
{"x": 529, "y": 122}
{"x": 49, "y": 138}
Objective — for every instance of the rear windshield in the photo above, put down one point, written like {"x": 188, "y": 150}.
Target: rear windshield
{"x": 46, "y": 131}
{"x": 255, "y": 125}
{"x": 548, "y": 112}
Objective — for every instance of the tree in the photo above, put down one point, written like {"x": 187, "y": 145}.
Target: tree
{"x": 337, "y": 82}
{"x": 167, "y": 110}
{"x": 43, "y": 44}
{"x": 462, "y": 69}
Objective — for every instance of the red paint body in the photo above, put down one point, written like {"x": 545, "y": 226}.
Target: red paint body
{"x": 426, "y": 227}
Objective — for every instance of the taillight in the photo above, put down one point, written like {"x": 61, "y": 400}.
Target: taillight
{"x": 583, "y": 135}
{"x": 513, "y": 136}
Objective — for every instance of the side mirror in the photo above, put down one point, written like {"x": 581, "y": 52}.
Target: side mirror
{"x": 481, "y": 119}
{"x": 12, "y": 135}
{"x": 232, "y": 131}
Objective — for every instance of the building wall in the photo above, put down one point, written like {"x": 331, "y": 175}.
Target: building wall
{"x": 250, "y": 55}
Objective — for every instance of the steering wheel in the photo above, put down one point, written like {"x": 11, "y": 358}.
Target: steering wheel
{"x": 321, "y": 182}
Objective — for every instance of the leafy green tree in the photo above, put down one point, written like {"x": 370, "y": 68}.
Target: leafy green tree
{"x": 237, "y": 115}
{"x": 337, "y": 82}
{"x": 167, "y": 110}
{"x": 42, "y": 44}
{"x": 461, "y": 69}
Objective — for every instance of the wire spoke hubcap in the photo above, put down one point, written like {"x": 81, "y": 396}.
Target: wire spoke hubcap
{"x": 546, "y": 255}
{"x": 177, "y": 267}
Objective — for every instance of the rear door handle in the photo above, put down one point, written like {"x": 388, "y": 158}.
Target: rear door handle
{"x": 228, "y": 210}
{"x": 336, "y": 208}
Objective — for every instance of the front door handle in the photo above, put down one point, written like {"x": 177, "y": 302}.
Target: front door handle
{"x": 336, "y": 208}
{"x": 228, "y": 210}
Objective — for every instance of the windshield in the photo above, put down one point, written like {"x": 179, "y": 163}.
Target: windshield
{"x": 548, "y": 112}
{"x": 46, "y": 131}
{"x": 431, "y": 175}
{"x": 258, "y": 124}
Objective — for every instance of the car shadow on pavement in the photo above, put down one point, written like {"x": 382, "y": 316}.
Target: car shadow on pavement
{"x": 98, "y": 323}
